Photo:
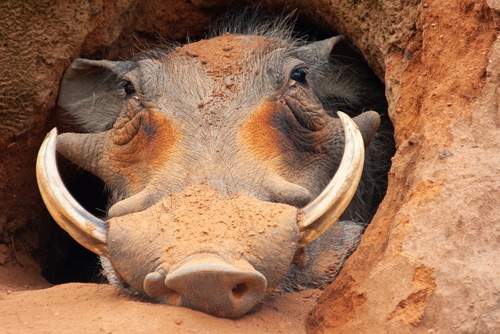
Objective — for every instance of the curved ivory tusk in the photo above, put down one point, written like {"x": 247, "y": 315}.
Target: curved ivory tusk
{"x": 90, "y": 231}
{"x": 319, "y": 215}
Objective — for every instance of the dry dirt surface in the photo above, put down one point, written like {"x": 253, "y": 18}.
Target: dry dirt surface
{"x": 93, "y": 308}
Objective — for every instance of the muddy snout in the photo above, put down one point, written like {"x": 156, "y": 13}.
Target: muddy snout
{"x": 202, "y": 250}
{"x": 209, "y": 284}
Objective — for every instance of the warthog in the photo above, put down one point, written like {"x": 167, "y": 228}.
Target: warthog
{"x": 227, "y": 165}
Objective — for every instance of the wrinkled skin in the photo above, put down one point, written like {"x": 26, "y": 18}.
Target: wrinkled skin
{"x": 209, "y": 149}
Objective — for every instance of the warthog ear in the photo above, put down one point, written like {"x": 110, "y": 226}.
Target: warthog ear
{"x": 92, "y": 91}
{"x": 318, "y": 52}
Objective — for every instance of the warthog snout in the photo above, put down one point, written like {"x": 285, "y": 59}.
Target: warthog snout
{"x": 209, "y": 284}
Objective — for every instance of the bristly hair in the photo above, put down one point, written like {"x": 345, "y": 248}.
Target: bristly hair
{"x": 251, "y": 22}
{"x": 244, "y": 22}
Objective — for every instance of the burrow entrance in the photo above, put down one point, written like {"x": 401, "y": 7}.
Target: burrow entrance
{"x": 63, "y": 260}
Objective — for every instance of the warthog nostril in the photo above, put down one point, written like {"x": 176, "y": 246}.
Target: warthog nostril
{"x": 172, "y": 297}
{"x": 211, "y": 285}
{"x": 239, "y": 290}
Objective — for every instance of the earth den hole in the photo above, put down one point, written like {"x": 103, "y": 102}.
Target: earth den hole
{"x": 64, "y": 260}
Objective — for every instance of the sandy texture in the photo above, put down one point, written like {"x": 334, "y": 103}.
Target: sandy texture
{"x": 92, "y": 308}
{"x": 427, "y": 262}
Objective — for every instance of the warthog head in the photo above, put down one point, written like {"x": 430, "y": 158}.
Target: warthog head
{"x": 222, "y": 161}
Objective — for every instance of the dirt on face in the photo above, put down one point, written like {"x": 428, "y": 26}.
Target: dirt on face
{"x": 199, "y": 219}
{"x": 223, "y": 56}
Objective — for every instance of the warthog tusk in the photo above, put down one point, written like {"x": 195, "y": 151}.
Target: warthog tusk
{"x": 90, "y": 231}
{"x": 319, "y": 215}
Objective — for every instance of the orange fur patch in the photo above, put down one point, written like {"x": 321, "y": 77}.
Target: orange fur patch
{"x": 260, "y": 136}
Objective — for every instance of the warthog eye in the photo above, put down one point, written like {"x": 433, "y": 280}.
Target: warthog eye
{"x": 299, "y": 74}
{"x": 129, "y": 88}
